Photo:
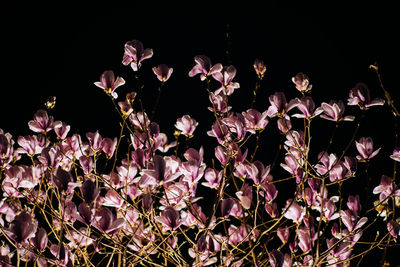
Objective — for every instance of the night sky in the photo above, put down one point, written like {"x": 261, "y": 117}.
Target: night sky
{"x": 61, "y": 51}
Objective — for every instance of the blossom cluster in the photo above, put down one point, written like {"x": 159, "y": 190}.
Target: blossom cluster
{"x": 71, "y": 199}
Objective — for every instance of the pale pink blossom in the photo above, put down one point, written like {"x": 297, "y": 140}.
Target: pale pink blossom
{"x": 225, "y": 77}
{"x": 135, "y": 53}
{"x": 259, "y": 67}
{"x": 186, "y": 125}
{"x": 306, "y": 106}
{"x": 302, "y": 82}
{"x": 245, "y": 196}
{"x": 255, "y": 120}
{"x": 365, "y": 148}
{"x": 386, "y": 188}
{"x": 359, "y": 95}
{"x": 334, "y": 111}
{"x": 113, "y": 199}
{"x": 170, "y": 219}
{"x": 396, "y": 154}
{"x": 294, "y": 211}
{"x": 42, "y": 123}
{"x": 204, "y": 67}
{"x": 162, "y": 72}
{"x": 109, "y": 83}
{"x": 278, "y": 105}
{"x": 213, "y": 178}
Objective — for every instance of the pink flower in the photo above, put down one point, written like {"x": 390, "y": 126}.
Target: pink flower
{"x": 359, "y": 95}
{"x": 304, "y": 239}
{"x": 393, "y": 228}
{"x": 213, "y": 178}
{"x": 386, "y": 188}
{"x": 31, "y": 145}
{"x": 89, "y": 191}
{"x": 236, "y": 124}
{"x": 258, "y": 173}
{"x": 278, "y": 105}
{"x": 284, "y": 125}
{"x": 63, "y": 254}
{"x": 283, "y": 234}
{"x": 204, "y": 67}
{"x": 40, "y": 240}
{"x": 22, "y": 228}
{"x": 86, "y": 164}
{"x": 396, "y": 154}
{"x": 254, "y": 120}
{"x": 109, "y": 83}
{"x": 135, "y": 54}
{"x": 163, "y": 72}
{"x": 350, "y": 220}
{"x": 186, "y": 125}
{"x": 6, "y": 147}
{"x": 113, "y": 199}
{"x": 225, "y": 77}
{"x": 169, "y": 219}
{"x": 307, "y": 107}
{"x": 237, "y": 235}
{"x": 108, "y": 146}
{"x": 259, "y": 67}
{"x": 41, "y": 122}
{"x": 95, "y": 140}
{"x": 220, "y": 132}
{"x": 219, "y": 102}
{"x": 294, "y": 211}
{"x": 107, "y": 222}
{"x": 62, "y": 129}
{"x": 245, "y": 196}
{"x": 302, "y": 83}
{"x": 334, "y": 111}
{"x": 354, "y": 204}
{"x": 365, "y": 148}
{"x": 276, "y": 258}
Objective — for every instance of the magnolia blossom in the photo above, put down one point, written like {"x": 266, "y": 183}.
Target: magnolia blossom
{"x": 225, "y": 77}
{"x": 135, "y": 53}
{"x": 283, "y": 234}
{"x": 245, "y": 196}
{"x": 22, "y": 228}
{"x": 213, "y": 178}
{"x": 393, "y": 228}
{"x": 259, "y": 67}
{"x": 278, "y": 105}
{"x": 109, "y": 83}
{"x": 359, "y": 95}
{"x": 302, "y": 83}
{"x": 365, "y": 148}
{"x": 255, "y": 120}
{"x": 219, "y": 103}
{"x": 294, "y": 211}
{"x": 386, "y": 188}
{"x": 162, "y": 72}
{"x": 334, "y": 111}
{"x": 107, "y": 222}
{"x": 396, "y": 154}
{"x": 349, "y": 219}
{"x": 169, "y": 219}
{"x": 61, "y": 129}
{"x": 204, "y": 67}
{"x": 186, "y": 125}
{"x": 307, "y": 107}
{"x": 41, "y": 123}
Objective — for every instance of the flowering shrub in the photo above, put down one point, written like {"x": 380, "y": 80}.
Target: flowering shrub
{"x": 140, "y": 198}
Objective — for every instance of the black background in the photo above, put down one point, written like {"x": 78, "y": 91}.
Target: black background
{"x": 63, "y": 50}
